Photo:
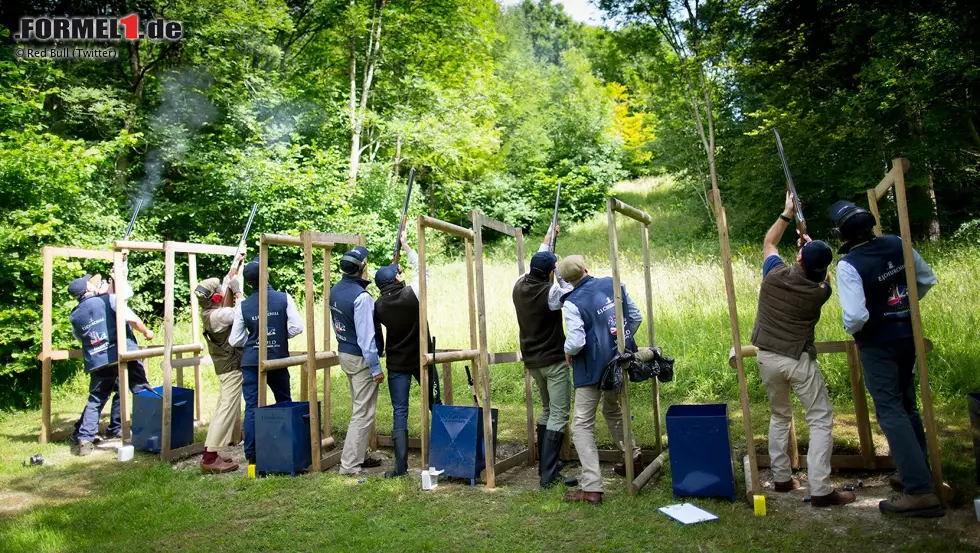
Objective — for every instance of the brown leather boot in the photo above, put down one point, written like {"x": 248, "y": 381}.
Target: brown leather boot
{"x": 788, "y": 486}
{"x": 371, "y": 462}
{"x": 831, "y": 499}
{"x": 218, "y": 466}
{"x": 593, "y": 498}
{"x": 638, "y": 466}
{"x": 923, "y": 505}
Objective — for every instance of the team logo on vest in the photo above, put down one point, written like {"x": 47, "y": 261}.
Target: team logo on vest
{"x": 340, "y": 329}
{"x": 98, "y": 340}
{"x": 898, "y": 301}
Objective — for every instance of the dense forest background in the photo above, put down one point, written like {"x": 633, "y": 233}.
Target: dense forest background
{"x": 316, "y": 109}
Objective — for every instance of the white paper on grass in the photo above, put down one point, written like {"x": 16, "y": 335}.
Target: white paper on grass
{"x": 685, "y": 513}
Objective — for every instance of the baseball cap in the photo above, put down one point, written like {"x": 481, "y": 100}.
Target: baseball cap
{"x": 817, "y": 256}
{"x": 385, "y": 275}
{"x": 251, "y": 272}
{"x": 79, "y": 286}
{"x": 572, "y": 268}
{"x": 544, "y": 262}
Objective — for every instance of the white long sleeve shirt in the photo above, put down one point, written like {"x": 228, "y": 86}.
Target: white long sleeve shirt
{"x": 239, "y": 334}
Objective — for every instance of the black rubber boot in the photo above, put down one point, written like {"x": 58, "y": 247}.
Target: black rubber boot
{"x": 567, "y": 480}
{"x": 542, "y": 428}
{"x": 550, "y": 450}
{"x": 400, "y": 440}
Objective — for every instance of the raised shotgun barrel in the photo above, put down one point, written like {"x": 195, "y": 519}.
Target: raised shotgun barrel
{"x": 554, "y": 221}
{"x": 396, "y": 254}
{"x": 132, "y": 220}
{"x": 791, "y": 186}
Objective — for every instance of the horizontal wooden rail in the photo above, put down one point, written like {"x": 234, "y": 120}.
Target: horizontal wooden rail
{"x": 191, "y": 362}
{"x": 449, "y": 356}
{"x": 286, "y": 240}
{"x": 178, "y": 247}
{"x": 76, "y": 252}
{"x": 437, "y": 224}
{"x": 157, "y": 351}
{"x": 323, "y": 359}
{"x": 61, "y": 354}
{"x": 511, "y": 462}
{"x": 497, "y": 225}
{"x": 631, "y": 212}
{"x": 882, "y": 188}
{"x": 839, "y": 346}
{"x": 334, "y": 238}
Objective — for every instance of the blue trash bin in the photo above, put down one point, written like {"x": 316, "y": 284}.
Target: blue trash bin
{"x": 456, "y": 440}
{"x": 282, "y": 438}
{"x": 148, "y": 419}
{"x": 700, "y": 451}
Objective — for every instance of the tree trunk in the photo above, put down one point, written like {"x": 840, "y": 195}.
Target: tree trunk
{"x": 359, "y": 109}
{"x": 934, "y": 233}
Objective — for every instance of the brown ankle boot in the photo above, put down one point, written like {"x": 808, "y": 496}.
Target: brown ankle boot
{"x": 594, "y": 498}
{"x": 218, "y": 466}
{"x": 787, "y": 486}
{"x": 832, "y": 499}
{"x": 923, "y": 505}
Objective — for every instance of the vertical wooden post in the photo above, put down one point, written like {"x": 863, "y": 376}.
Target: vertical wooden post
{"x": 860, "y": 401}
{"x": 46, "y": 323}
{"x": 423, "y": 343}
{"x": 651, "y": 337}
{"x": 484, "y": 372}
{"x": 726, "y": 263}
{"x": 327, "y": 431}
{"x": 932, "y": 438}
{"x": 532, "y": 443}
{"x": 471, "y": 293}
{"x": 180, "y": 373}
{"x": 624, "y": 397}
{"x": 263, "y": 317}
{"x": 873, "y": 205}
{"x": 196, "y": 336}
{"x": 119, "y": 276}
{"x": 168, "y": 345}
{"x": 310, "y": 366}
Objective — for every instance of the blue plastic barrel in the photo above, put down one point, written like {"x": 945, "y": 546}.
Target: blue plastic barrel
{"x": 700, "y": 451}
{"x": 456, "y": 440}
{"x": 148, "y": 419}
{"x": 282, "y": 438}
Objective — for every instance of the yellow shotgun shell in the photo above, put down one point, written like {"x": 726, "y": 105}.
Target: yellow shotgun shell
{"x": 251, "y": 474}
{"x": 760, "y": 505}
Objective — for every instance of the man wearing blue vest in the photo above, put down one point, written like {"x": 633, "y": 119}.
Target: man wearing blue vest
{"x": 283, "y": 323}
{"x": 873, "y": 295}
{"x": 93, "y": 323}
{"x": 359, "y": 343}
{"x": 589, "y": 311}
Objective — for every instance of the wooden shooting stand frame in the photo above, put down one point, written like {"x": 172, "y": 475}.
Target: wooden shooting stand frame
{"x": 867, "y": 460}
{"x": 527, "y": 456}
{"x": 614, "y": 206}
{"x": 168, "y": 350}
{"x": 311, "y": 360}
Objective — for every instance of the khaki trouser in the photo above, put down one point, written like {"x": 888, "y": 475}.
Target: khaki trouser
{"x": 583, "y": 432}
{"x": 781, "y": 375}
{"x": 226, "y": 412}
{"x": 555, "y": 388}
{"x": 364, "y": 396}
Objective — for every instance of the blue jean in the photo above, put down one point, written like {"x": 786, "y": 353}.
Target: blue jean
{"x": 398, "y": 386}
{"x": 889, "y": 372}
{"x": 102, "y": 383}
{"x": 278, "y": 381}
{"x": 115, "y": 423}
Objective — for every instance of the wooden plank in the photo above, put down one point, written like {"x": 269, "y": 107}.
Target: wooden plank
{"x": 616, "y": 456}
{"x": 630, "y": 211}
{"x": 921, "y": 366}
{"x": 137, "y": 246}
{"x": 726, "y": 260}
{"x": 327, "y": 428}
{"x": 287, "y": 240}
{"x": 309, "y": 372}
{"x": 186, "y": 451}
{"x": 413, "y": 443}
{"x": 843, "y": 462}
{"x": 263, "y": 318}
{"x": 325, "y": 238}
{"x": 195, "y": 332}
{"x": 496, "y": 225}
{"x": 157, "y": 351}
{"x": 471, "y": 293}
{"x": 46, "y": 323}
{"x": 650, "y": 472}
{"x": 443, "y": 226}
{"x": 205, "y": 249}
{"x": 447, "y": 383}
{"x": 873, "y": 205}
{"x": 59, "y": 354}
{"x": 450, "y": 356}
{"x": 484, "y": 363}
{"x": 651, "y": 336}
{"x": 882, "y": 187}
{"x": 323, "y": 359}
{"x": 330, "y": 461}
{"x": 168, "y": 344}
{"x": 423, "y": 340}
{"x": 119, "y": 276}
{"x": 523, "y": 457}
{"x": 860, "y": 402}
{"x": 624, "y": 398}
{"x": 191, "y": 361}
{"x": 78, "y": 253}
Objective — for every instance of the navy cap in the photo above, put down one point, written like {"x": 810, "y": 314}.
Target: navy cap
{"x": 353, "y": 262}
{"x": 544, "y": 262}
{"x": 386, "y": 275}
{"x": 79, "y": 287}
{"x": 817, "y": 256}
{"x": 840, "y": 209}
{"x": 251, "y": 271}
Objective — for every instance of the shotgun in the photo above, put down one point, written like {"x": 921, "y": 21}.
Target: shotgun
{"x": 435, "y": 391}
{"x": 132, "y": 220}
{"x": 469, "y": 382}
{"x": 800, "y": 220}
{"x": 397, "y": 254}
{"x": 242, "y": 243}
{"x": 554, "y": 222}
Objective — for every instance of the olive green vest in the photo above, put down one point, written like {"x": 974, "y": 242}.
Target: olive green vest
{"x": 224, "y": 357}
{"x": 789, "y": 309}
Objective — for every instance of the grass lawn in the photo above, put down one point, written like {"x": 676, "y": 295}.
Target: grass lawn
{"x": 95, "y": 503}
